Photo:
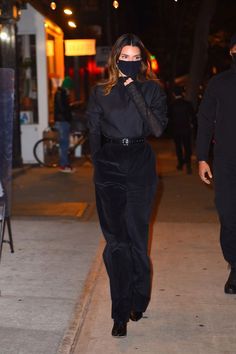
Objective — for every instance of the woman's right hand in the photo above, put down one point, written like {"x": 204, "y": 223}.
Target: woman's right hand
{"x": 204, "y": 172}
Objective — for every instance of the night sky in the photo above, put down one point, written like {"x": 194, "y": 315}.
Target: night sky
{"x": 165, "y": 26}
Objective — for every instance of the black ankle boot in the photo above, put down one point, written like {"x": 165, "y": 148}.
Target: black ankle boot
{"x": 135, "y": 315}
{"x": 230, "y": 285}
{"x": 119, "y": 329}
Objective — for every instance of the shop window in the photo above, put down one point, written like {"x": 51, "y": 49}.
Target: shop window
{"x": 27, "y": 76}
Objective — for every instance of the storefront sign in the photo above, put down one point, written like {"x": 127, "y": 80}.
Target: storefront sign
{"x": 78, "y": 47}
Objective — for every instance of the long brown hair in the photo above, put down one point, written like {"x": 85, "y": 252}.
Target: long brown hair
{"x": 145, "y": 73}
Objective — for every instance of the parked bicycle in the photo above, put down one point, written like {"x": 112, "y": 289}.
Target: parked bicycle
{"x": 46, "y": 150}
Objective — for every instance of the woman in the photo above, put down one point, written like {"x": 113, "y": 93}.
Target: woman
{"x": 122, "y": 112}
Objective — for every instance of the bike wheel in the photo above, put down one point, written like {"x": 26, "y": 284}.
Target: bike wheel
{"x": 46, "y": 152}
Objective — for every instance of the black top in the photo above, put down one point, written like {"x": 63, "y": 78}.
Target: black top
{"x": 138, "y": 109}
{"x": 217, "y": 117}
{"x": 62, "y": 110}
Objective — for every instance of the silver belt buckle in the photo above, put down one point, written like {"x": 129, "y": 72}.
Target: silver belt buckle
{"x": 125, "y": 141}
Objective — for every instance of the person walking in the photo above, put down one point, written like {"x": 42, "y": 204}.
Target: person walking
{"x": 182, "y": 121}
{"x": 217, "y": 123}
{"x": 62, "y": 116}
{"x": 122, "y": 111}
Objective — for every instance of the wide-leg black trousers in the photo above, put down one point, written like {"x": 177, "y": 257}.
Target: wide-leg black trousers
{"x": 225, "y": 199}
{"x": 125, "y": 182}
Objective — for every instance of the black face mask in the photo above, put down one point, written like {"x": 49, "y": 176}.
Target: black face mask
{"x": 233, "y": 57}
{"x": 129, "y": 68}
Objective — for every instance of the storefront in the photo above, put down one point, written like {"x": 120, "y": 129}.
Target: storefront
{"x": 40, "y": 58}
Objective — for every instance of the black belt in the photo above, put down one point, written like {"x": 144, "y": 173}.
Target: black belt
{"x": 124, "y": 141}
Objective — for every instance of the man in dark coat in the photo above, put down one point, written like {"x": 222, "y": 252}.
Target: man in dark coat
{"x": 217, "y": 123}
{"x": 182, "y": 119}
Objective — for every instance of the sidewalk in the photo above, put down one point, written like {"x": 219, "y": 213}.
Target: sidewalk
{"x": 54, "y": 288}
{"x": 42, "y": 281}
{"x": 188, "y": 312}
{"x": 56, "y": 237}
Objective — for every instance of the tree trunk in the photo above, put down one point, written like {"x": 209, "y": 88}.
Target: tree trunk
{"x": 200, "y": 49}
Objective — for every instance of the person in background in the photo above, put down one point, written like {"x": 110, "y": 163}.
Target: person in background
{"x": 122, "y": 111}
{"x": 62, "y": 116}
{"x": 217, "y": 123}
{"x": 182, "y": 121}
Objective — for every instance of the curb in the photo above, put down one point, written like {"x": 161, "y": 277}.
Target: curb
{"x": 72, "y": 334}
{"x": 20, "y": 171}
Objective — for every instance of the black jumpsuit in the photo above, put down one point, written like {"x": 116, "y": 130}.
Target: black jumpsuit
{"x": 217, "y": 122}
{"x": 125, "y": 182}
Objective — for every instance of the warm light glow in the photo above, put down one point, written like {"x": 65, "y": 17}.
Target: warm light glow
{"x": 53, "y": 5}
{"x": 72, "y": 24}
{"x": 115, "y": 4}
{"x": 68, "y": 11}
{"x": 214, "y": 70}
{"x": 50, "y": 48}
{"x": 4, "y": 37}
{"x": 52, "y": 27}
{"x": 15, "y": 12}
{"x": 154, "y": 64}
{"x": 77, "y": 47}
{"x": 93, "y": 68}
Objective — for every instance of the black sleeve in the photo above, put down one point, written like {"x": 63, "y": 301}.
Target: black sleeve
{"x": 155, "y": 115}
{"x": 93, "y": 114}
{"x": 66, "y": 107}
{"x": 206, "y": 123}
